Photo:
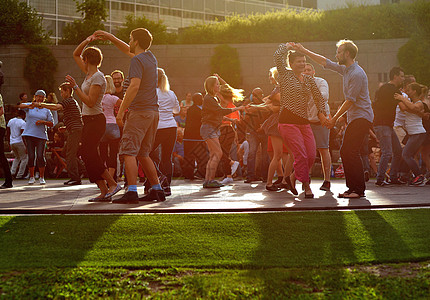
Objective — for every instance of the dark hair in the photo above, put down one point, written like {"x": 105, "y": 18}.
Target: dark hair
{"x": 22, "y": 95}
{"x": 143, "y": 37}
{"x": 66, "y": 86}
{"x": 197, "y": 99}
{"x": 395, "y": 71}
{"x": 21, "y": 113}
{"x": 293, "y": 55}
{"x": 119, "y": 72}
{"x": 93, "y": 55}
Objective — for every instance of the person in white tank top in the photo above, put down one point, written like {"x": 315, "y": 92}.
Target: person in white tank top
{"x": 414, "y": 111}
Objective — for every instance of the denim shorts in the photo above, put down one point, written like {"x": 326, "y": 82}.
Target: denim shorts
{"x": 112, "y": 132}
{"x": 321, "y": 135}
{"x": 209, "y": 132}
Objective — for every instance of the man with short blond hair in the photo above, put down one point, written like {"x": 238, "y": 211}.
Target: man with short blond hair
{"x": 357, "y": 106}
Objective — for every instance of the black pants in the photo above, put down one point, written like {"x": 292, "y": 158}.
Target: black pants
{"x": 94, "y": 129}
{"x": 352, "y": 143}
{"x": 3, "y": 160}
{"x": 166, "y": 139}
{"x": 195, "y": 152}
{"x": 226, "y": 139}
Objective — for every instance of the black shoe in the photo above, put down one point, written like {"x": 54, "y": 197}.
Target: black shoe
{"x": 6, "y": 186}
{"x": 366, "y": 176}
{"x": 272, "y": 188}
{"x": 154, "y": 195}
{"x": 73, "y": 182}
{"x": 292, "y": 189}
{"x": 128, "y": 198}
{"x": 67, "y": 182}
{"x": 251, "y": 179}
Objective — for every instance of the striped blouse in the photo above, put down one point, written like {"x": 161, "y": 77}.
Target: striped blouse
{"x": 295, "y": 94}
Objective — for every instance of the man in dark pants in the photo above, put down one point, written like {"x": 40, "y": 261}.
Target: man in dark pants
{"x": 3, "y": 160}
{"x": 359, "y": 111}
{"x": 74, "y": 125}
{"x": 195, "y": 150}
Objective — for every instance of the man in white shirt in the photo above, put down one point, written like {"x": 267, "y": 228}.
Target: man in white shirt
{"x": 321, "y": 133}
{"x": 16, "y": 127}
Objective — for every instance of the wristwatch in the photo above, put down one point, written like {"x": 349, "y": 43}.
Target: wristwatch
{"x": 75, "y": 87}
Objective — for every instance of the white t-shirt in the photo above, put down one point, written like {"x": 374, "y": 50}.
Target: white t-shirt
{"x": 245, "y": 147}
{"x": 16, "y": 126}
{"x": 168, "y": 105}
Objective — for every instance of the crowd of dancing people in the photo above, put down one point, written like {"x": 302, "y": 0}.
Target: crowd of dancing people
{"x": 136, "y": 127}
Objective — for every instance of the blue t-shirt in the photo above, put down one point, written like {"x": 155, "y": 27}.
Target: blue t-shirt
{"x": 33, "y": 115}
{"x": 144, "y": 67}
{"x": 355, "y": 89}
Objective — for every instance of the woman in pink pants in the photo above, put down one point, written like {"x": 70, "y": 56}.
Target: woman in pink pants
{"x": 296, "y": 88}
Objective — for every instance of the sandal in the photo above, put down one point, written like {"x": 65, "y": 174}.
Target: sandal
{"x": 344, "y": 194}
{"x": 309, "y": 196}
{"x": 272, "y": 188}
{"x": 292, "y": 188}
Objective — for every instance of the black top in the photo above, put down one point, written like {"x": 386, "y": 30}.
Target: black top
{"x": 72, "y": 116}
{"x": 193, "y": 123}
{"x": 384, "y": 107}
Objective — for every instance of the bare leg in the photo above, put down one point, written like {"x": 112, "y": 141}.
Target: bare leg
{"x": 101, "y": 184}
{"x": 276, "y": 159}
{"x": 326, "y": 162}
{"x": 110, "y": 181}
{"x": 215, "y": 154}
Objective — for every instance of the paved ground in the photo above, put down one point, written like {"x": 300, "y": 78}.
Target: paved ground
{"x": 189, "y": 196}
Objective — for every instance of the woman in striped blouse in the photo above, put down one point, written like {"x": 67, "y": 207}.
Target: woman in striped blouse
{"x": 296, "y": 89}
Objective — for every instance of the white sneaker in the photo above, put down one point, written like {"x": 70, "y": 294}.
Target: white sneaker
{"x": 32, "y": 180}
{"x": 227, "y": 180}
{"x": 234, "y": 167}
{"x": 42, "y": 181}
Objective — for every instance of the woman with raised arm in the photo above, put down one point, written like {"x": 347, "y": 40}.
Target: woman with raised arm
{"x": 414, "y": 109}
{"x": 212, "y": 115}
{"x": 296, "y": 89}
{"x": 91, "y": 92}
{"x": 35, "y": 134}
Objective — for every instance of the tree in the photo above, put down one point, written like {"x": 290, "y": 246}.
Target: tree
{"x": 40, "y": 67}
{"x": 93, "y": 12}
{"x": 20, "y": 24}
{"x": 226, "y": 63}
{"x": 157, "y": 29}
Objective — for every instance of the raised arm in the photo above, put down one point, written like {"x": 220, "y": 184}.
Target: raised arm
{"x": 280, "y": 57}
{"x": 121, "y": 45}
{"x": 406, "y": 105}
{"x": 78, "y": 51}
{"x": 319, "y": 59}
{"x": 50, "y": 106}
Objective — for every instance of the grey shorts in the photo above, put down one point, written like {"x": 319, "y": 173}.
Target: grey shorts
{"x": 209, "y": 132}
{"x": 321, "y": 135}
{"x": 139, "y": 133}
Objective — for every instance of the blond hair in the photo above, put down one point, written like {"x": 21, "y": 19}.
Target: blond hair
{"x": 229, "y": 92}
{"x": 110, "y": 87}
{"x": 274, "y": 73}
{"x": 53, "y": 97}
{"x": 209, "y": 85}
{"x": 348, "y": 46}
{"x": 163, "y": 81}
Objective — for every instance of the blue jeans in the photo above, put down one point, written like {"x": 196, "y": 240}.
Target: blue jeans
{"x": 35, "y": 149}
{"x": 412, "y": 146}
{"x": 390, "y": 151}
{"x": 254, "y": 140}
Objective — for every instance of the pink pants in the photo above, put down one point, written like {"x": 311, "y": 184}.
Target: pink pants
{"x": 300, "y": 139}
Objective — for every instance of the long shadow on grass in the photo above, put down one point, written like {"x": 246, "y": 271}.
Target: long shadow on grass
{"x": 300, "y": 239}
{"x": 50, "y": 241}
{"x": 386, "y": 242}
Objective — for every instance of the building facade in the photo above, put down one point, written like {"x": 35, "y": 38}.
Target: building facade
{"x": 174, "y": 13}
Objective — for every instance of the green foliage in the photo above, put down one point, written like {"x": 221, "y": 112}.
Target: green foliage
{"x": 157, "y": 29}
{"x": 225, "y": 62}
{"x": 357, "y": 23}
{"x": 414, "y": 58}
{"x": 94, "y": 12}
{"x": 20, "y": 24}
{"x": 40, "y": 66}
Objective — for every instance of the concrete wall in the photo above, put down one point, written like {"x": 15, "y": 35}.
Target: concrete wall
{"x": 187, "y": 66}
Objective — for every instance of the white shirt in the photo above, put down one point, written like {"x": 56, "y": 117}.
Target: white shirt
{"x": 245, "y": 147}
{"x": 168, "y": 105}
{"x": 312, "y": 109}
{"x": 16, "y": 126}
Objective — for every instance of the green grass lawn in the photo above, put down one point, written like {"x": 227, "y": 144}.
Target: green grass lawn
{"x": 315, "y": 254}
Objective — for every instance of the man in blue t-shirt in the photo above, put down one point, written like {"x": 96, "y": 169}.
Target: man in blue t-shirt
{"x": 142, "y": 120}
